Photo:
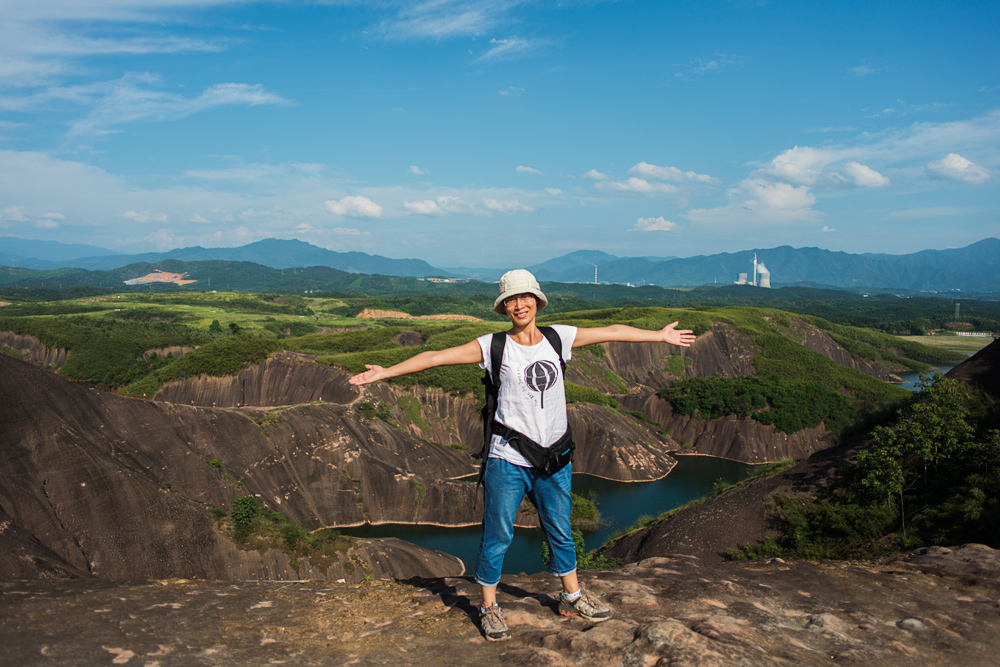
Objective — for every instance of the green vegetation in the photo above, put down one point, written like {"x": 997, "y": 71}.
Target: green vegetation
{"x": 252, "y": 526}
{"x": 381, "y": 411}
{"x": 789, "y": 406}
{"x": 585, "y": 560}
{"x": 578, "y": 394}
{"x": 676, "y": 364}
{"x": 931, "y": 477}
{"x": 410, "y": 407}
{"x": 105, "y": 350}
{"x": 225, "y": 356}
{"x": 584, "y": 514}
{"x": 107, "y": 333}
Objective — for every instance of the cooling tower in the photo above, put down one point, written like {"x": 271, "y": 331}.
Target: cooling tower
{"x": 742, "y": 279}
{"x": 763, "y": 275}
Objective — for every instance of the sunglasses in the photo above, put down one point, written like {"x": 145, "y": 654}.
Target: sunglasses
{"x": 512, "y": 300}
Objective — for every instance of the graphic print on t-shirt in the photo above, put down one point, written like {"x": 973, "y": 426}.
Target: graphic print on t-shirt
{"x": 540, "y": 376}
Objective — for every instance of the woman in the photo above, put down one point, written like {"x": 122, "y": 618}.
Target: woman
{"x": 532, "y": 402}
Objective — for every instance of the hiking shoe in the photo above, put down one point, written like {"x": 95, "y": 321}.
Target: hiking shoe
{"x": 586, "y": 606}
{"x": 494, "y": 627}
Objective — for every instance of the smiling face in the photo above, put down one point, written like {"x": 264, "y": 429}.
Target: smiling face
{"x": 521, "y": 309}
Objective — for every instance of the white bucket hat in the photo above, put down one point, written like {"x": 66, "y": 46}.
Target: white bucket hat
{"x": 518, "y": 281}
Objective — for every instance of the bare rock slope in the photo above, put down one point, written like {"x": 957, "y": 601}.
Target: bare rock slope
{"x": 36, "y": 351}
{"x": 630, "y": 372}
{"x": 981, "y": 369}
{"x": 99, "y": 484}
{"x": 934, "y": 607}
{"x": 96, "y": 484}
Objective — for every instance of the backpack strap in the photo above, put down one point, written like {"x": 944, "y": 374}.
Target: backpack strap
{"x": 496, "y": 357}
{"x": 492, "y": 381}
{"x": 556, "y": 342}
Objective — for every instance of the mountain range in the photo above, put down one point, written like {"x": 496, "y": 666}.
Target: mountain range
{"x": 974, "y": 268}
{"x": 274, "y": 253}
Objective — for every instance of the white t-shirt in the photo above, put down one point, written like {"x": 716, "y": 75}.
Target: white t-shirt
{"x": 532, "y": 396}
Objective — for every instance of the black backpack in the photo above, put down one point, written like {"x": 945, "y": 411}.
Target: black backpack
{"x": 549, "y": 460}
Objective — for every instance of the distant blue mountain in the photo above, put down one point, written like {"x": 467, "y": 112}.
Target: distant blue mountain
{"x": 580, "y": 261}
{"x": 975, "y": 268}
{"x": 14, "y": 252}
{"x": 274, "y": 253}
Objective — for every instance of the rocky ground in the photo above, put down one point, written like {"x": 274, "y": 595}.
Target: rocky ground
{"x": 934, "y": 607}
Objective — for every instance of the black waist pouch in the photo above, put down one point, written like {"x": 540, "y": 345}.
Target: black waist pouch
{"x": 549, "y": 460}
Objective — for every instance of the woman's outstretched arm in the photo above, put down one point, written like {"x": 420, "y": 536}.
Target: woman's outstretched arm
{"x": 626, "y": 334}
{"x": 470, "y": 353}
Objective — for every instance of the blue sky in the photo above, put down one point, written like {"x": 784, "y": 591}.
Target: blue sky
{"x": 503, "y": 133}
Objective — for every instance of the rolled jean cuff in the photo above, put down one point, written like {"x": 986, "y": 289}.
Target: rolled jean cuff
{"x": 482, "y": 583}
{"x": 565, "y": 574}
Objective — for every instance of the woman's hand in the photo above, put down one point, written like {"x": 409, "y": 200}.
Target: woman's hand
{"x": 681, "y": 337}
{"x": 373, "y": 374}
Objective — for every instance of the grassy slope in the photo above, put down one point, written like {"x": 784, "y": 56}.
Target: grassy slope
{"x": 140, "y": 322}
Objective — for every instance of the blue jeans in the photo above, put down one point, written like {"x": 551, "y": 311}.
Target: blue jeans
{"x": 504, "y": 487}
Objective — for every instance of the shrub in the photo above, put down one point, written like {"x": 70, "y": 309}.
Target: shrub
{"x": 245, "y": 510}
{"x": 578, "y": 394}
{"x": 585, "y": 560}
{"x": 788, "y": 406}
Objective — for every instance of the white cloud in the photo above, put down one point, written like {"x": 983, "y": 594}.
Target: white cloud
{"x": 805, "y": 165}
{"x": 508, "y": 49}
{"x": 505, "y": 206}
{"x": 637, "y": 185}
{"x": 862, "y": 176}
{"x": 511, "y": 90}
{"x": 955, "y": 167}
{"x": 778, "y": 195}
{"x": 759, "y": 201}
{"x": 714, "y": 64}
{"x": 354, "y": 206}
{"x": 659, "y": 224}
{"x": 44, "y": 223}
{"x": 144, "y": 216}
{"x": 14, "y": 214}
{"x": 451, "y": 205}
{"x": 527, "y": 170}
{"x": 348, "y": 231}
{"x": 309, "y": 167}
{"x": 41, "y": 40}
{"x": 595, "y": 175}
{"x": 555, "y": 192}
{"x": 445, "y": 19}
{"x": 864, "y": 69}
{"x": 417, "y": 171}
{"x": 126, "y": 101}
{"x": 646, "y": 170}
{"x": 425, "y": 207}
{"x": 802, "y": 164}
{"x": 828, "y": 228}
{"x": 195, "y": 217}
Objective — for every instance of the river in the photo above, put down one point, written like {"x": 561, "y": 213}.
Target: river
{"x": 620, "y": 503}
{"x": 910, "y": 379}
